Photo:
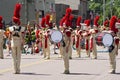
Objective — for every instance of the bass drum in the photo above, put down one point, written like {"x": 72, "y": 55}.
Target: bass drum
{"x": 56, "y": 36}
{"x": 104, "y": 39}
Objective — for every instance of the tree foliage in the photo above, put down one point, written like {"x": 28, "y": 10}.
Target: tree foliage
{"x": 97, "y": 7}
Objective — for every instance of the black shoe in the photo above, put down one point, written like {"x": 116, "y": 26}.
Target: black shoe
{"x": 95, "y": 58}
{"x": 55, "y": 53}
{"x": 1, "y": 58}
{"x": 66, "y": 72}
{"x": 112, "y": 72}
{"x": 17, "y": 73}
{"x": 70, "y": 57}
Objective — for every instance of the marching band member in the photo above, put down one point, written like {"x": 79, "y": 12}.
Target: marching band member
{"x": 16, "y": 38}
{"x": 93, "y": 47}
{"x": 45, "y": 37}
{"x": 113, "y": 49}
{"x": 66, "y": 51}
{"x": 1, "y": 38}
{"x": 43, "y": 26}
{"x": 64, "y": 46}
{"x": 92, "y": 39}
{"x": 86, "y": 34}
{"x": 78, "y": 37}
{"x": 68, "y": 23}
{"x": 66, "y": 41}
{"x": 118, "y": 34}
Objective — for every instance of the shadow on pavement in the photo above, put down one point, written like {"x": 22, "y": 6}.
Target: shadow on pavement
{"x": 117, "y": 73}
{"x": 83, "y": 74}
{"x": 21, "y": 58}
{"x": 83, "y": 58}
{"x": 8, "y": 58}
{"x": 24, "y": 73}
{"x": 102, "y": 59}
{"x": 118, "y": 58}
{"x": 30, "y": 58}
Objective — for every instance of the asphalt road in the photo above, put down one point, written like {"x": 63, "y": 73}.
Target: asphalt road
{"x": 34, "y": 67}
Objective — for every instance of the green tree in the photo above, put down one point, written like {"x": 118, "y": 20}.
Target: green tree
{"x": 97, "y": 6}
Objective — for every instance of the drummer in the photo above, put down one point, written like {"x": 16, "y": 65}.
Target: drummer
{"x": 118, "y": 34}
{"x": 113, "y": 49}
{"x": 65, "y": 44}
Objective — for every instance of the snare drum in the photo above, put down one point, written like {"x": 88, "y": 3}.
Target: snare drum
{"x": 104, "y": 39}
{"x": 56, "y": 36}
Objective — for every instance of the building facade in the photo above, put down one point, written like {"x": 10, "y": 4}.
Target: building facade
{"x": 44, "y": 7}
{"x": 72, "y": 3}
{"x": 6, "y": 9}
{"x": 36, "y": 9}
{"x": 27, "y": 10}
{"x": 60, "y": 11}
{"x": 83, "y": 9}
{"x": 61, "y": 6}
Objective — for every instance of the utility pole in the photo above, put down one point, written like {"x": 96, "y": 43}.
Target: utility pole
{"x": 111, "y": 6}
{"x": 26, "y": 11}
{"x": 44, "y": 8}
{"x": 103, "y": 10}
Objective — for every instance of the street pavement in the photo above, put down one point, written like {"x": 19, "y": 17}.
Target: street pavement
{"x": 34, "y": 67}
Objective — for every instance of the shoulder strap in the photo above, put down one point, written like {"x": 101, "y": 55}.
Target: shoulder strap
{"x": 19, "y": 28}
{"x": 14, "y": 28}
